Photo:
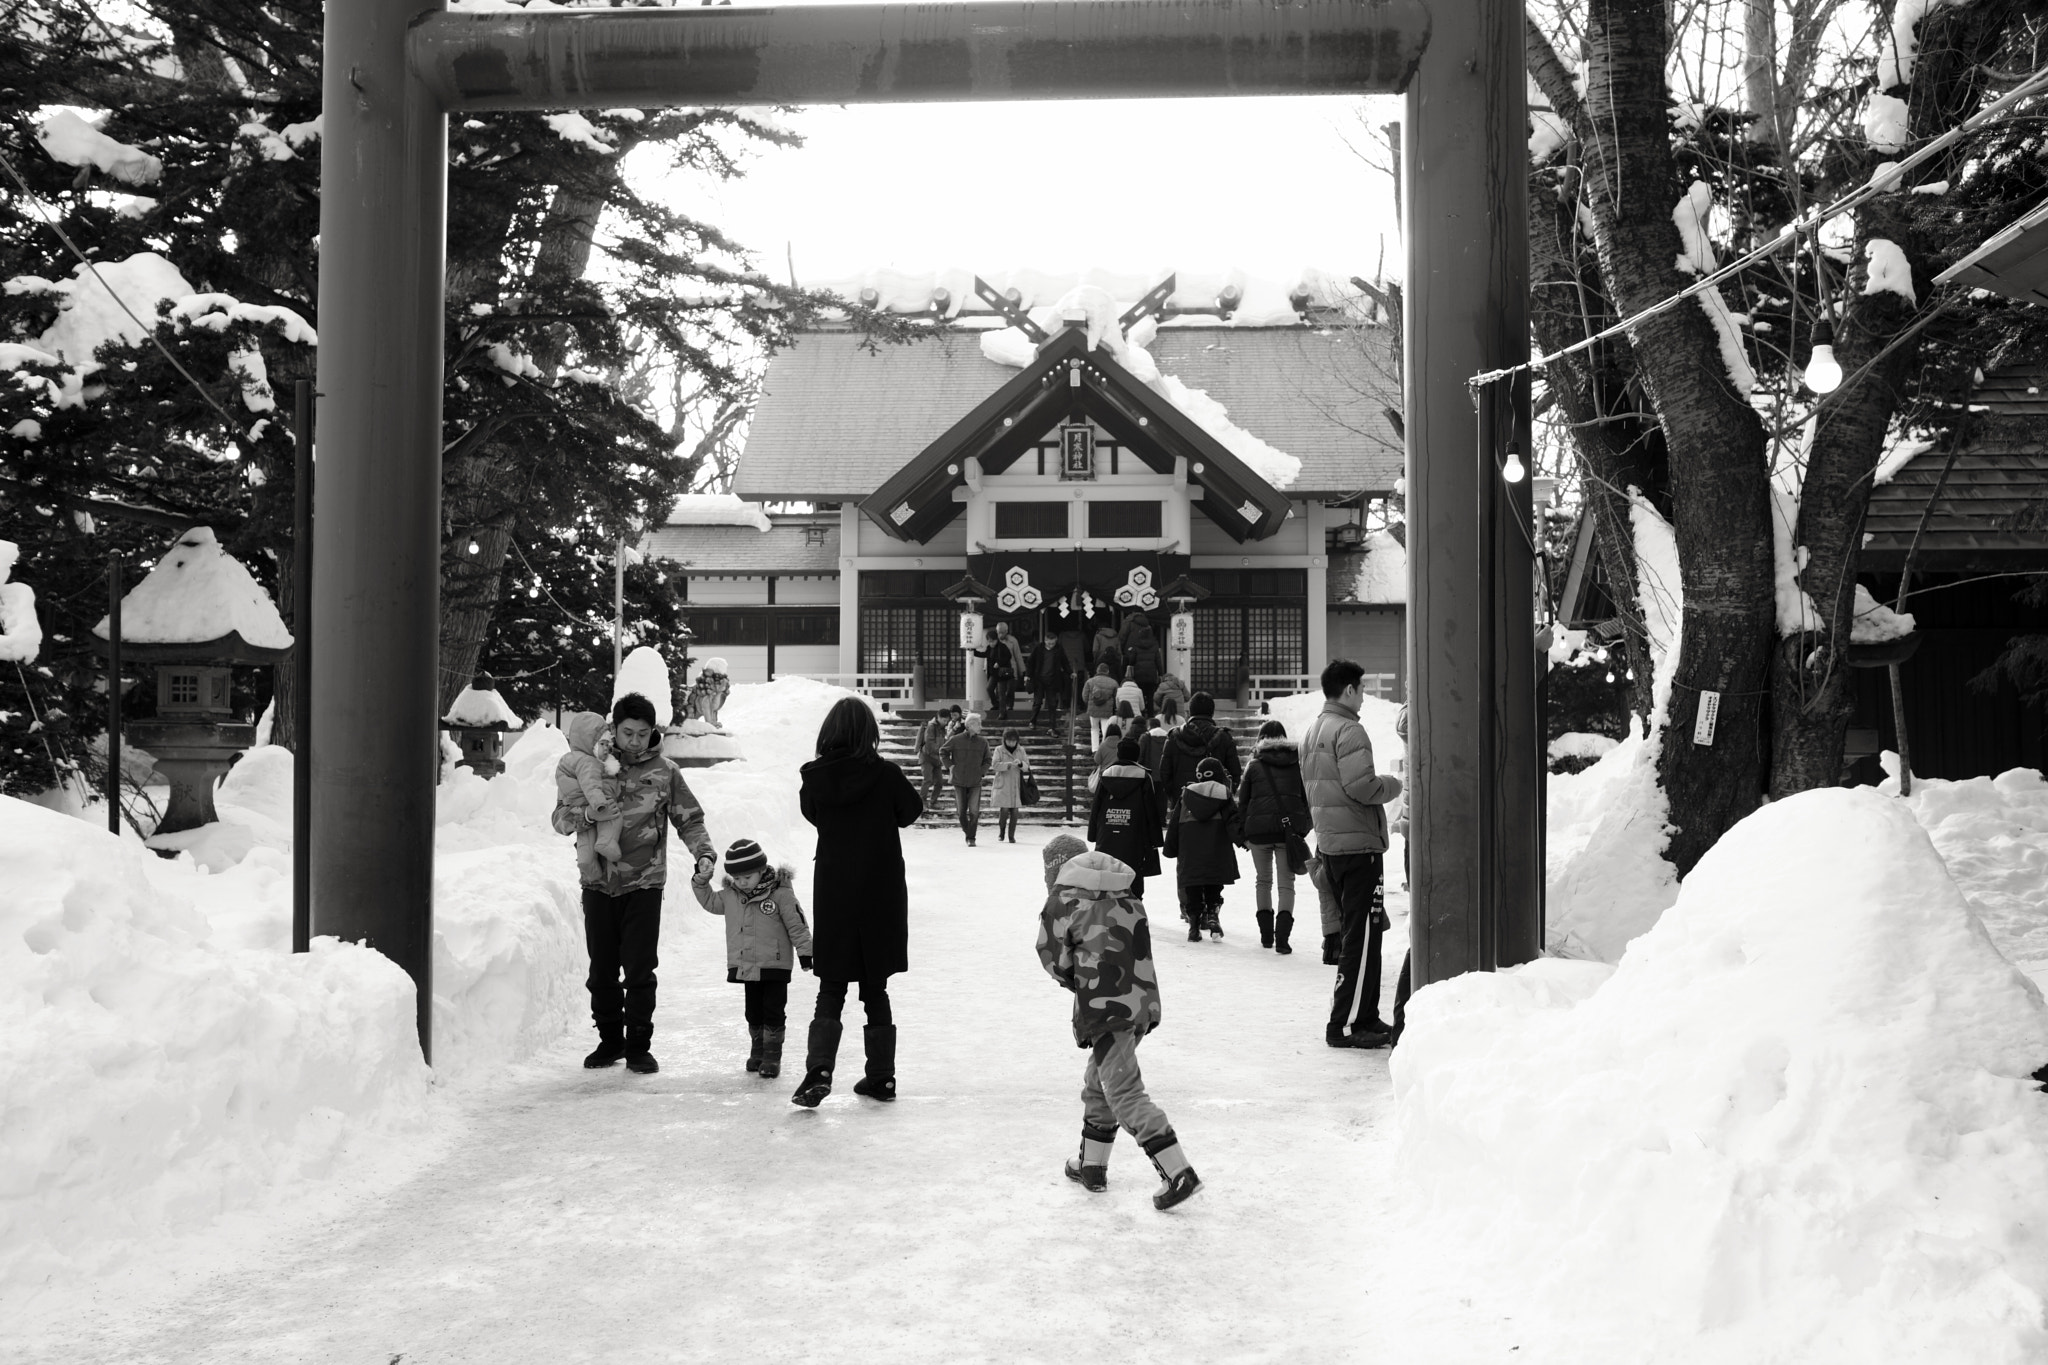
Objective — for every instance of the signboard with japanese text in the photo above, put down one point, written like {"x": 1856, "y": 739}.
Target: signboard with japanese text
{"x": 1077, "y": 452}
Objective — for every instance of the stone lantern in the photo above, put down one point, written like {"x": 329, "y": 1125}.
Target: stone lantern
{"x": 479, "y": 719}
{"x": 197, "y": 615}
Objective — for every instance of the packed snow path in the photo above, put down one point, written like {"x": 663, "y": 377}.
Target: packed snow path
{"x": 698, "y": 1215}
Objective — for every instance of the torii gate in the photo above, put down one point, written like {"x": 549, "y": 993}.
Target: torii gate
{"x": 394, "y": 70}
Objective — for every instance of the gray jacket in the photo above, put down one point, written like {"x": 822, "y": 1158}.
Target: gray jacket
{"x": 1346, "y": 798}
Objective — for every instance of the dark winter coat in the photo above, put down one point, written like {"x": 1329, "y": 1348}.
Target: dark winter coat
{"x": 1152, "y": 747}
{"x": 1172, "y": 688}
{"x": 1272, "y": 800}
{"x": 1186, "y": 747}
{"x": 1126, "y": 820}
{"x": 1103, "y": 650}
{"x": 652, "y": 797}
{"x": 859, "y": 802}
{"x": 966, "y": 758}
{"x": 1207, "y": 837}
{"x": 1141, "y": 650}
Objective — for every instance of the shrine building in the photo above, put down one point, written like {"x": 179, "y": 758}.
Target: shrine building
{"x": 1000, "y": 466}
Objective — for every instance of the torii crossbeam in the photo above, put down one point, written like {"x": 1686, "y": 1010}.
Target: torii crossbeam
{"x": 396, "y": 69}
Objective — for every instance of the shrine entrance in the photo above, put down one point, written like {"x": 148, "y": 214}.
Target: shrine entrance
{"x": 395, "y": 70}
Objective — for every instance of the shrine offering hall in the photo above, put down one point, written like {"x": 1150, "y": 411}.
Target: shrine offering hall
{"x": 1034, "y": 479}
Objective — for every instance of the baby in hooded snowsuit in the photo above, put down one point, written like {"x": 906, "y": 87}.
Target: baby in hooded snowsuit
{"x": 765, "y": 938}
{"x": 1094, "y": 941}
{"x": 588, "y": 770}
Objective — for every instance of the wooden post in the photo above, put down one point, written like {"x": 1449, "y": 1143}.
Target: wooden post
{"x": 114, "y": 695}
{"x": 302, "y": 666}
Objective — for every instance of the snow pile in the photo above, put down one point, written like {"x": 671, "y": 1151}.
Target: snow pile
{"x": 1794, "y": 1124}
{"x": 1887, "y": 123}
{"x": 1607, "y": 877}
{"x": 1890, "y": 273}
{"x": 195, "y": 594}
{"x": 717, "y": 509}
{"x": 646, "y": 672}
{"x": 1992, "y": 833}
{"x": 69, "y": 139}
{"x": 486, "y": 707}
{"x": 93, "y": 312}
{"x": 756, "y": 797}
{"x": 21, "y": 634}
{"x": 151, "y": 1077}
{"x": 1874, "y": 622}
{"x": 1296, "y": 712}
{"x": 1383, "y": 573}
{"x": 1104, "y": 330}
{"x": 1580, "y": 744}
{"x": 1697, "y": 258}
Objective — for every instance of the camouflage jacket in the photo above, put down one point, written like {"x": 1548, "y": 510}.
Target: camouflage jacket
{"x": 1094, "y": 940}
{"x": 652, "y": 795}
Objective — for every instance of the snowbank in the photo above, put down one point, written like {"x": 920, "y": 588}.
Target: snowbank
{"x": 1608, "y": 880}
{"x": 646, "y": 672}
{"x": 1794, "y": 1124}
{"x": 1383, "y": 572}
{"x": 1297, "y": 711}
{"x": 198, "y": 592}
{"x": 1992, "y": 833}
{"x": 150, "y": 1076}
{"x": 776, "y": 724}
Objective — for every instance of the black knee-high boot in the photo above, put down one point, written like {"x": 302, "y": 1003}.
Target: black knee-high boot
{"x": 821, "y": 1051}
{"x": 1283, "y": 925}
{"x": 1265, "y": 918}
{"x": 880, "y": 1081}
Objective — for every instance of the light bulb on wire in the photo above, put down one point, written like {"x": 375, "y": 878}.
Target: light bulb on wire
{"x": 1512, "y": 468}
{"x": 1823, "y": 371}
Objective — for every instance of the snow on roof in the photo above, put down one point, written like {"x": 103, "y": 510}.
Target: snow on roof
{"x": 1262, "y": 301}
{"x": 21, "y": 635}
{"x": 71, "y": 139}
{"x": 1102, "y": 311}
{"x": 198, "y": 593}
{"x": 716, "y": 509}
{"x": 483, "y": 708}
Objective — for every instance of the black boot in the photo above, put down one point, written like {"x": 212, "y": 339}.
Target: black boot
{"x": 1265, "y": 918}
{"x": 611, "y": 1046}
{"x": 638, "y": 1058}
{"x": 880, "y": 1081}
{"x": 1194, "y": 928}
{"x": 820, "y": 1051}
{"x": 1090, "y": 1170}
{"x": 754, "y": 1047}
{"x": 1181, "y": 1181}
{"x": 771, "y": 1052}
{"x": 1212, "y": 920}
{"x": 1283, "y": 925}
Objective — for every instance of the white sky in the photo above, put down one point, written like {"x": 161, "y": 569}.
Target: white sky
{"x": 1264, "y": 185}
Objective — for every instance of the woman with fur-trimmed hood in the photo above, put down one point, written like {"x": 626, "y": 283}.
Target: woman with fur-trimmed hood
{"x": 766, "y": 939}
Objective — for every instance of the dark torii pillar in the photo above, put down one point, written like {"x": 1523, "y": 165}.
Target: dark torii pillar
{"x": 1476, "y": 863}
{"x": 395, "y": 70}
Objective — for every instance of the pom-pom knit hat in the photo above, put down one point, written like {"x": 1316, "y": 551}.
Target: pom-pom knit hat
{"x": 743, "y": 857}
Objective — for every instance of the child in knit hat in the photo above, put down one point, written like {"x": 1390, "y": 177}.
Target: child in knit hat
{"x": 1094, "y": 941}
{"x": 765, "y": 937}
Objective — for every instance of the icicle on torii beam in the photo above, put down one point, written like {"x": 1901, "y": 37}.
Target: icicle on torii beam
{"x": 394, "y": 70}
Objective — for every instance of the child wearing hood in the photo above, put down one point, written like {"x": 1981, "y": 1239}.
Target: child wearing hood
{"x": 1204, "y": 837}
{"x": 587, "y": 777}
{"x": 1125, "y": 821}
{"x": 765, "y": 937}
{"x": 1093, "y": 939}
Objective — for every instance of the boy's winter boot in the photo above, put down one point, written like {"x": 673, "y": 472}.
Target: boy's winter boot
{"x": 1283, "y": 926}
{"x": 820, "y": 1050}
{"x": 880, "y": 1081}
{"x": 638, "y": 1058}
{"x": 771, "y": 1052}
{"x": 1172, "y": 1165}
{"x": 1194, "y": 927}
{"x": 1090, "y": 1170}
{"x": 611, "y": 1046}
{"x": 1265, "y": 918}
{"x": 1212, "y": 920}
{"x": 754, "y": 1047}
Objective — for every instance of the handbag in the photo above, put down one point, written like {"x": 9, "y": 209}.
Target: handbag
{"x": 1297, "y": 847}
{"x": 1027, "y": 788}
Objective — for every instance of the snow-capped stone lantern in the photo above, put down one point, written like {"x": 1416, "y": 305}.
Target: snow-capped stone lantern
{"x": 196, "y": 615}
{"x": 479, "y": 719}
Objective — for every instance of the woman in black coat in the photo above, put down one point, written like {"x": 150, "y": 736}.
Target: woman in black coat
{"x": 1126, "y": 821}
{"x": 861, "y": 907}
{"x": 1272, "y": 803}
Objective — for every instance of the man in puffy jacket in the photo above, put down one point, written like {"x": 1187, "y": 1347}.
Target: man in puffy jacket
{"x": 1347, "y": 801}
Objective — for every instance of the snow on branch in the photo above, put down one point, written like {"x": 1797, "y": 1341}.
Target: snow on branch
{"x": 21, "y": 635}
{"x": 69, "y": 139}
{"x": 1890, "y": 273}
{"x": 217, "y": 312}
{"x": 1697, "y": 258}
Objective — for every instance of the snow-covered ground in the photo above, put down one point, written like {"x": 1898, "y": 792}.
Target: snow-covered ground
{"x": 1773, "y": 1131}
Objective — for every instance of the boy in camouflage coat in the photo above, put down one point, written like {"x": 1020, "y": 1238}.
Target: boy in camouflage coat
{"x": 1093, "y": 939}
